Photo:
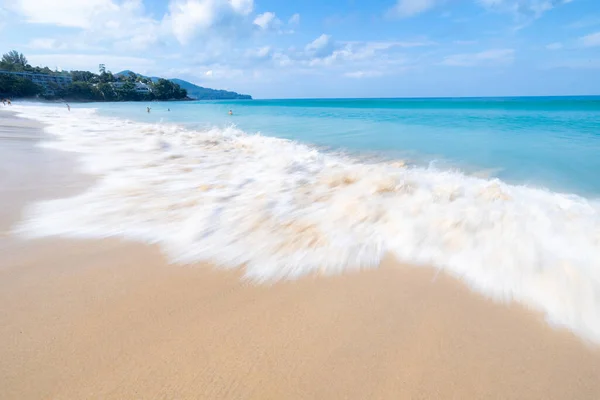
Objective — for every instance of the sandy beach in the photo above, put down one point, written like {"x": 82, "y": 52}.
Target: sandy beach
{"x": 109, "y": 319}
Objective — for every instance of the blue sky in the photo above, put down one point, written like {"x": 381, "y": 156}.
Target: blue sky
{"x": 312, "y": 48}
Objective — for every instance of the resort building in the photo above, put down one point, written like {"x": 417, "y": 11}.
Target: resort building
{"x": 44, "y": 80}
{"x": 139, "y": 87}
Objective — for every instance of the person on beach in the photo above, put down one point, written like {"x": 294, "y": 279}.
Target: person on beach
{"x": 4, "y": 101}
{"x": 8, "y": 101}
{"x": 230, "y": 112}
{"x": 148, "y": 110}
{"x": 68, "y": 106}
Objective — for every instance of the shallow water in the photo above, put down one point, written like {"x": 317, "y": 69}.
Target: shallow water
{"x": 543, "y": 142}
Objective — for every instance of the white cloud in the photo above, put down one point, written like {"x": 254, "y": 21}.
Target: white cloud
{"x": 126, "y": 29}
{"x": 69, "y": 13}
{"x": 363, "y": 74}
{"x": 319, "y": 42}
{"x": 329, "y": 52}
{"x": 266, "y": 20}
{"x": 243, "y": 7}
{"x": 591, "y": 40}
{"x": 294, "y": 19}
{"x": 489, "y": 57}
{"x": 322, "y": 56}
{"x": 554, "y": 46}
{"x": 122, "y": 25}
{"x": 321, "y": 46}
{"x": 353, "y": 59}
{"x": 409, "y": 8}
{"x": 282, "y": 60}
{"x": 187, "y": 18}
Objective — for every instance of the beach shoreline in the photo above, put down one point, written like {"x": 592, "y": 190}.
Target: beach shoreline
{"x": 114, "y": 319}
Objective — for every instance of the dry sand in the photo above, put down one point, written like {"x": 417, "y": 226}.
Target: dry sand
{"x": 112, "y": 320}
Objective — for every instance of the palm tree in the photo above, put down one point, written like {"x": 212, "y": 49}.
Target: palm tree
{"x": 13, "y": 57}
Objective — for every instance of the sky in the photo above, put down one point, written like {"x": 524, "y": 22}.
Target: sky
{"x": 322, "y": 48}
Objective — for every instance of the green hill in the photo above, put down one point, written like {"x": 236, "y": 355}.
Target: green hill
{"x": 201, "y": 93}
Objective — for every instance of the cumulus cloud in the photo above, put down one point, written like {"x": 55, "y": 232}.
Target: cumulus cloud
{"x": 187, "y": 18}
{"x": 322, "y": 46}
{"x": 123, "y": 24}
{"x": 243, "y": 7}
{"x": 68, "y": 13}
{"x": 281, "y": 59}
{"x": 356, "y": 59}
{"x": 591, "y": 40}
{"x": 266, "y": 20}
{"x": 325, "y": 51}
{"x": 485, "y": 58}
{"x": 127, "y": 28}
{"x": 352, "y": 59}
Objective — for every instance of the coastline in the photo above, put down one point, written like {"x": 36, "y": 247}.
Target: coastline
{"x": 112, "y": 319}
{"x": 34, "y": 100}
{"x": 29, "y": 172}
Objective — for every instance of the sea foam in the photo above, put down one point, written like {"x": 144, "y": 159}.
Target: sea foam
{"x": 283, "y": 209}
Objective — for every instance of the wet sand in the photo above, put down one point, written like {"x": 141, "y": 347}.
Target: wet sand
{"x": 112, "y": 320}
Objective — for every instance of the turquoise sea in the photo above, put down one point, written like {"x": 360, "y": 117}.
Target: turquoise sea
{"x": 551, "y": 142}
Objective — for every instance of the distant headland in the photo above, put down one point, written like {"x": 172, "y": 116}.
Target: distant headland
{"x": 18, "y": 79}
{"x": 194, "y": 91}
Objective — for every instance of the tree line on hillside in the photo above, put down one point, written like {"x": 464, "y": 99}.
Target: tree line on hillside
{"x": 85, "y": 86}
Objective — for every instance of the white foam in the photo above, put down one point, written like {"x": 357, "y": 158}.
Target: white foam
{"x": 283, "y": 209}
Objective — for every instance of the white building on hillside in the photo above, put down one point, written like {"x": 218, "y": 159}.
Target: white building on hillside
{"x": 140, "y": 87}
{"x": 44, "y": 80}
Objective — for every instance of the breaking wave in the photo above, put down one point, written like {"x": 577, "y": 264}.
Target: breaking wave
{"x": 283, "y": 209}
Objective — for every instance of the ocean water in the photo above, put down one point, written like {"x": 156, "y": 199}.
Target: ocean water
{"x": 502, "y": 193}
{"x": 548, "y": 142}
